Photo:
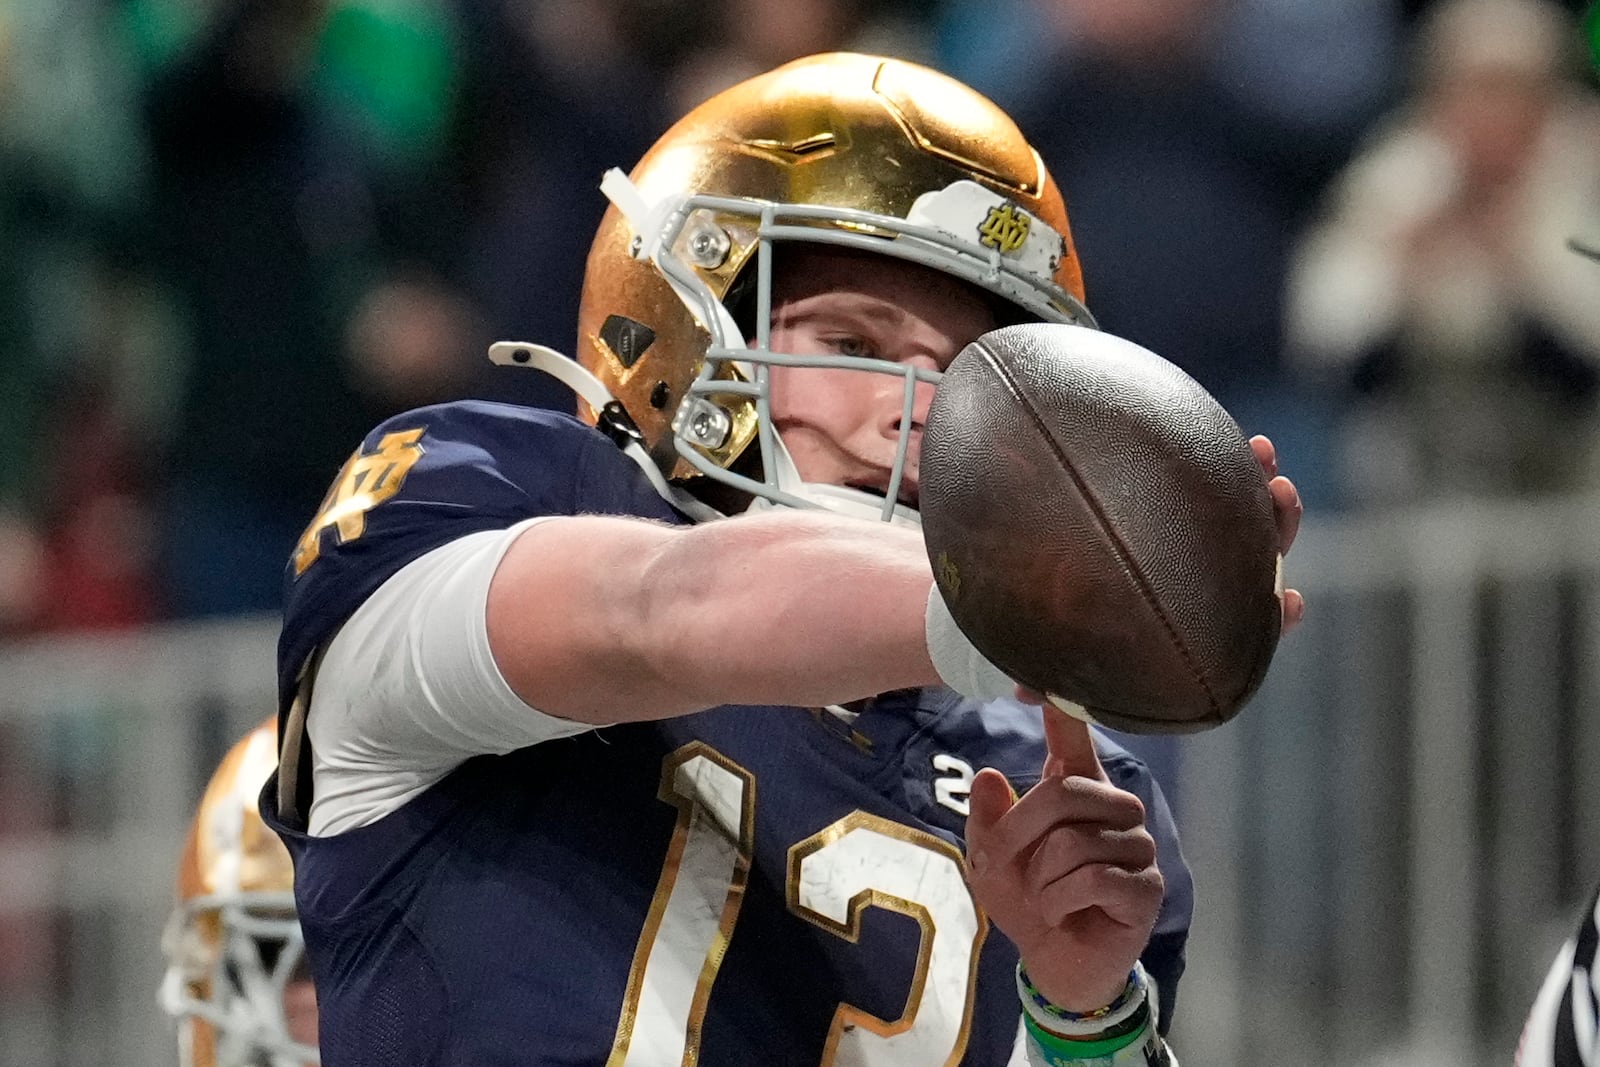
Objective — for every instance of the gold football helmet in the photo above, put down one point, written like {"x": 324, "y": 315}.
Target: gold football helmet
{"x": 233, "y": 946}
{"x": 840, "y": 149}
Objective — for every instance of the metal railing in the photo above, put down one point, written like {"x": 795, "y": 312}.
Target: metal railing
{"x": 105, "y": 746}
{"x": 1389, "y": 844}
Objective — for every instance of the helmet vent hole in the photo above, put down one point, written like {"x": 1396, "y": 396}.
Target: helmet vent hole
{"x": 660, "y": 395}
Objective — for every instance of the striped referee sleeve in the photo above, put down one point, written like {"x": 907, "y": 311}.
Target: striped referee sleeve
{"x": 1561, "y": 1028}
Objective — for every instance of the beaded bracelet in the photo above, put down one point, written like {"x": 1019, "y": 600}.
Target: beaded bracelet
{"x": 1093, "y": 1024}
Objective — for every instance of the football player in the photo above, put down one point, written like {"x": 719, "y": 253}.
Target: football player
{"x": 236, "y": 978}
{"x": 578, "y": 771}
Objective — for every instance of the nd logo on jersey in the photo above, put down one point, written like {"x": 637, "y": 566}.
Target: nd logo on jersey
{"x": 365, "y": 482}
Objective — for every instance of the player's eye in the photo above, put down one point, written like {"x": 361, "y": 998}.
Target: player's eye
{"x": 852, "y": 346}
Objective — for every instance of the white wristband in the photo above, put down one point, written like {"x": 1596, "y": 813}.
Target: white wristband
{"x": 960, "y": 665}
{"x": 1134, "y": 996}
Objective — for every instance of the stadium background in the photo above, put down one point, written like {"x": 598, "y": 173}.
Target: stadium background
{"x": 233, "y": 233}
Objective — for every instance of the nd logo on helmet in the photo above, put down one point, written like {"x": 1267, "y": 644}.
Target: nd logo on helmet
{"x": 1005, "y": 228}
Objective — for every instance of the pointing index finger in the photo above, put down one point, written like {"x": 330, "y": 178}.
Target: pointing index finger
{"x": 1069, "y": 746}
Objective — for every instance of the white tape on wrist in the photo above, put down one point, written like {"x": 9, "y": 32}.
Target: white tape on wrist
{"x": 960, "y": 665}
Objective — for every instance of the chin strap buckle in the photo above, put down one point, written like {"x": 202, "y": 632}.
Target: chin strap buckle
{"x": 614, "y": 421}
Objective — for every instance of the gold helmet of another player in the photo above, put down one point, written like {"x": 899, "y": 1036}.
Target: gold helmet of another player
{"x": 233, "y": 946}
{"x": 846, "y": 150}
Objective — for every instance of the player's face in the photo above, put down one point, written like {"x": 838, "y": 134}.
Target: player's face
{"x": 842, "y": 426}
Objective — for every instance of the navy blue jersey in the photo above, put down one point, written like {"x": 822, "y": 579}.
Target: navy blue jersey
{"x": 743, "y": 885}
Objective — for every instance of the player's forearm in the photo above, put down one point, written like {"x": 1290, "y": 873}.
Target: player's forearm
{"x": 794, "y": 608}
{"x": 784, "y": 608}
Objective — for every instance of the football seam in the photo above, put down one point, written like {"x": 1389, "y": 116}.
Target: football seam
{"x": 1119, "y": 546}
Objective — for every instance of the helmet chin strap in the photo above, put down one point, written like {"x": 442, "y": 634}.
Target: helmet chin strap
{"x": 654, "y": 225}
{"x": 592, "y": 391}
{"x": 647, "y": 220}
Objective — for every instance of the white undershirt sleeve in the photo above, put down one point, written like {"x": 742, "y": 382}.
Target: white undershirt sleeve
{"x": 408, "y": 689}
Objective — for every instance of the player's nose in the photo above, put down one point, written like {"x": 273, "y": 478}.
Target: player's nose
{"x": 893, "y": 410}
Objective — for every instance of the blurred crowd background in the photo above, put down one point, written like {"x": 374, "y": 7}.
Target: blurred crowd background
{"x": 238, "y": 232}
{"x": 234, "y": 234}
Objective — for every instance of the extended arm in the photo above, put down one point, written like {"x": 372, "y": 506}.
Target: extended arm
{"x": 604, "y": 620}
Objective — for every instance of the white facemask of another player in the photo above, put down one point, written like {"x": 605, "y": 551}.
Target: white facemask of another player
{"x": 244, "y": 978}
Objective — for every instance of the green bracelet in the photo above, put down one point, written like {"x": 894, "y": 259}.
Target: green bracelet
{"x": 1061, "y": 1052}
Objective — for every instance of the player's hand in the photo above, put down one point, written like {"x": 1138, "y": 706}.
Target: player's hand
{"x": 1287, "y": 508}
{"x": 1068, "y": 872}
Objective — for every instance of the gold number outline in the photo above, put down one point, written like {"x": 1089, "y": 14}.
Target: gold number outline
{"x": 688, "y": 806}
{"x": 847, "y": 1016}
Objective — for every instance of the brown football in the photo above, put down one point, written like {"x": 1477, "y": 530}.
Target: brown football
{"x": 1100, "y": 528}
